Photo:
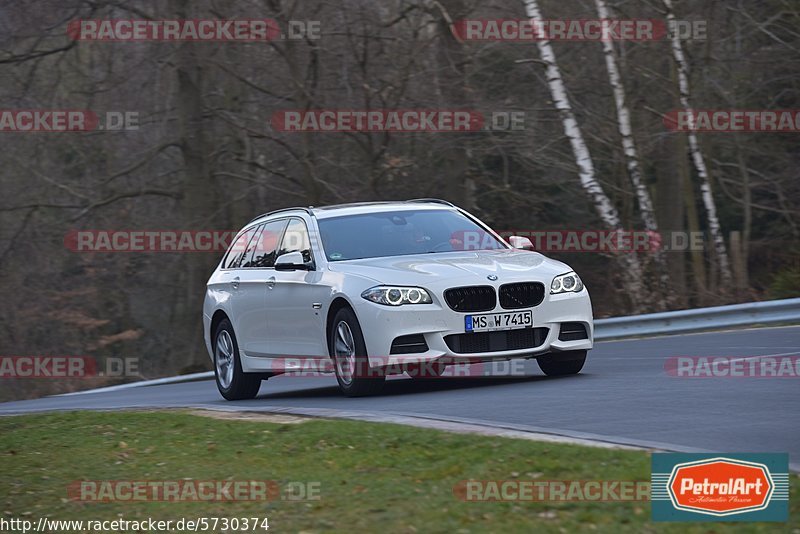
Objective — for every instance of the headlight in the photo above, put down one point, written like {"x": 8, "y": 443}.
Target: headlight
{"x": 397, "y": 296}
{"x": 566, "y": 283}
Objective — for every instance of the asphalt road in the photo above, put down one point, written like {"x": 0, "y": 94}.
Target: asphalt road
{"x": 623, "y": 395}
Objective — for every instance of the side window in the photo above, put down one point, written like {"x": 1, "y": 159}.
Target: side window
{"x": 265, "y": 245}
{"x": 296, "y": 240}
{"x": 247, "y": 257}
{"x": 239, "y": 249}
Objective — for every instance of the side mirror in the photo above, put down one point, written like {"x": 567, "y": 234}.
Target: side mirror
{"x": 522, "y": 243}
{"x": 291, "y": 261}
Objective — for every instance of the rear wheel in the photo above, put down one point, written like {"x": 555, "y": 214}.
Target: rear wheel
{"x": 562, "y": 363}
{"x": 232, "y": 382}
{"x": 350, "y": 361}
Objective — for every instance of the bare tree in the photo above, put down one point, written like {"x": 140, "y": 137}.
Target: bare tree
{"x": 605, "y": 209}
{"x": 714, "y": 228}
{"x": 646, "y": 210}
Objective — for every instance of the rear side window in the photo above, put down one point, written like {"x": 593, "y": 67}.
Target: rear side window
{"x": 296, "y": 240}
{"x": 248, "y": 252}
{"x": 239, "y": 248}
{"x": 264, "y": 246}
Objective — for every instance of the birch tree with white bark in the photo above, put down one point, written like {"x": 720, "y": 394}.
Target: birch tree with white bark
{"x": 646, "y": 210}
{"x": 631, "y": 154}
{"x": 633, "y": 279}
{"x": 714, "y": 227}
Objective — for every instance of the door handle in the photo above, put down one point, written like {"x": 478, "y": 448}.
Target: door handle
{"x": 235, "y": 283}
{"x": 270, "y": 282}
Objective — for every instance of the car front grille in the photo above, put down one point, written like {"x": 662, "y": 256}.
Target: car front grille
{"x": 521, "y": 295}
{"x": 572, "y": 332}
{"x": 471, "y": 298}
{"x": 524, "y": 338}
{"x": 411, "y": 344}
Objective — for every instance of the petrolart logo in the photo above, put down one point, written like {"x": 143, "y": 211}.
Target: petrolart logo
{"x": 729, "y": 487}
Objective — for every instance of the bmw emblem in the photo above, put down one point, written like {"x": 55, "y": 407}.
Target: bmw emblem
{"x": 492, "y": 277}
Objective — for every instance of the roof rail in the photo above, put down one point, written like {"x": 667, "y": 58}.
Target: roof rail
{"x": 307, "y": 210}
{"x": 433, "y": 200}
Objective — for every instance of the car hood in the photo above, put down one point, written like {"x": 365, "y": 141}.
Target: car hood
{"x": 455, "y": 268}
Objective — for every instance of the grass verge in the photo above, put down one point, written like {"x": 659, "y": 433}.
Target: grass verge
{"x": 372, "y": 477}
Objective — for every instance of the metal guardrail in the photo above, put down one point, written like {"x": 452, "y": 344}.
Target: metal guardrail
{"x": 180, "y": 379}
{"x": 696, "y": 320}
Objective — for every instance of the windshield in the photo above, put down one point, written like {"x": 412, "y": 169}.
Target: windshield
{"x": 399, "y": 233}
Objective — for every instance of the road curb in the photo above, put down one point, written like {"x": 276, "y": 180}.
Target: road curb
{"x": 194, "y": 377}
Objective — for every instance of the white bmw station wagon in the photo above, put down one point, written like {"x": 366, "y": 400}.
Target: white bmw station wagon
{"x": 371, "y": 286}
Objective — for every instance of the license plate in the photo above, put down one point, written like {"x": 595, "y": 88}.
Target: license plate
{"x": 498, "y": 321}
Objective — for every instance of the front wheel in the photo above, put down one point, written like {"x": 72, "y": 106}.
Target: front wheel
{"x": 569, "y": 362}
{"x": 350, "y": 361}
{"x": 232, "y": 382}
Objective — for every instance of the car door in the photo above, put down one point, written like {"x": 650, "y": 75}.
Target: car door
{"x": 294, "y": 302}
{"x": 253, "y": 276}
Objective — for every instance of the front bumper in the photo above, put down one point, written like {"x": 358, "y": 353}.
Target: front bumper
{"x": 380, "y": 325}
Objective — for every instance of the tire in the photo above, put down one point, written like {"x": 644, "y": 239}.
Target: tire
{"x": 232, "y": 382}
{"x": 562, "y": 363}
{"x": 349, "y": 354}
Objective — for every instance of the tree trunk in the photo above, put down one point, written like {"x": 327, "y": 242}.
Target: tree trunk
{"x": 631, "y": 155}
{"x": 199, "y": 201}
{"x": 670, "y": 207}
{"x": 453, "y": 62}
{"x": 693, "y": 224}
{"x": 722, "y": 261}
{"x": 625, "y": 130}
{"x": 633, "y": 276}
{"x": 747, "y": 225}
